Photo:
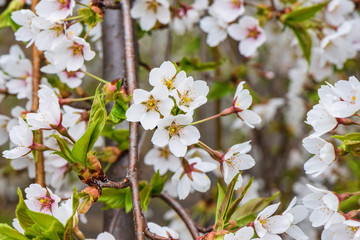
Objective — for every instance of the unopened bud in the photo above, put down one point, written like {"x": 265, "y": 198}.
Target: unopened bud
{"x": 344, "y": 121}
{"x": 111, "y": 154}
{"x": 95, "y": 168}
{"x": 92, "y": 194}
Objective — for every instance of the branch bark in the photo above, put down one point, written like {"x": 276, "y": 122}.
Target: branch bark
{"x": 36, "y": 78}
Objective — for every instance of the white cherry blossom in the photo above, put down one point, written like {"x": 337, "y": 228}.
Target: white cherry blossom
{"x": 242, "y": 101}
{"x": 72, "y": 78}
{"x": 27, "y": 32}
{"x": 64, "y": 211}
{"x": 191, "y": 94}
{"x": 268, "y": 226}
{"x": 26, "y": 162}
{"x": 17, "y": 226}
{"x": 176, "y": 131}
{"x": 324, "y": 155}
{"x": 249, "y": 33}
{"x": 105, "y": 236}
{"x": 324, "y": 205}
{"x": 296, "y": 214}
{"x": 166, "y": 75}
{"x": 229, "y": 10}
{"x": 215, "y": 27}
{"x": 235, "y": 160}
{"x": 150, "y": 11}
{"x": 162, "y": 231}
{"x": 49, "y": 114}
{"x": 336, "y": 10}
{"x": 55, "y": 10}
{"x": 245, "y": 233}
{"x": 162, "y": 160}
{"x": 41, "y": 199}
{"x": 148, "y": 107}
{"x": 192, "y": 175}
{"x": 4, "y": 137}
{"x": 22, "y": 137}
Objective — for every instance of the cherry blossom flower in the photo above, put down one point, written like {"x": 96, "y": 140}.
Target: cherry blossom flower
{"x": 185, "y": 19}
{"x": 215, "y": 27}
{"x": 64, "y": 211}
{"x": 49, "y": 114}
{"x": 162, "y": 231}
{"x": 249, "y": 33}
{"x": 166, "y": 75}
{"x": 3, "y": 132}
{"x": 150, "y": 11}
{"x": 321, "y": 120}
{"x": 41, "y": 199}
{"x": 229, "y": 10}
{"x": 296, "y": 214}
{"x": 148, "y": 107}
{"x": 26, "y": 162}
{"x": 55, "y": 10}
{"x": 28, "y": 31}
{"x": 267, "y": 227}
{"x": 336, "y": 11}
{"x": 78, "y": 116}
{"x": 343, "y": 229}
{"x": 235, "y": 160}
{"x": 245, "y": 233}
{"x": 349, "y": 102}
{"x": 324, "y": 205}
{"x": 191, "y": 94}
{"x": 72, "y": 78}
{"x": 176, "y": 131}
{"x": 242, "y": 101}
{"x": 69, "y": 54}
{"x": 324, "y": 155}
{"x": 162, "y": 160}
{"x": 192, "y": 175}
{"x": 177, "y": 224}
{"x": 22, "y": 137}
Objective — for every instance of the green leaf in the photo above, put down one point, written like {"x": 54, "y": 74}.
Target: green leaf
{"x": 241, "y": 222}
{"x": 128, "y": 201}
{"x": 194, "y": 64}
{"x": 9, "y": 233}
{"x": 49, "y": 225}
{"x": 21, "y": 212}
{"x": 68, "y": 233}
{"x": 96, "y": 124}
{"x": 253, "y": 206}
{"x": 5, "y": 16}
{"x": 89, "y": 17}
{"x": 120, "y": 136}
{"x": 219, "y": 90}
{"x": 117, "y": 113}
{"x": 235, "y": 204}
{"x": 221, "y": 195}
{"x": 350, "y": 143}
{"x": 64, "y": 147}
{"x": 303, "y": 13}
{"x": 157, "y": 183}
{"x": 145, "y": 195}
{"x": 303, "y": 38}
{"x": 114, "y": 198}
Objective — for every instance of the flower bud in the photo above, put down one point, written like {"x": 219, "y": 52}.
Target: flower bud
{"x": 92, "y": 194}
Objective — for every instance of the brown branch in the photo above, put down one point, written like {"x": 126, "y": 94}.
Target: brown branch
{"x": 184, "y": 215}
{"x": 36, "y": 62}
{"x": 154, "y": 236}
{"x": 118, "y": 185}
{"x": 132, "y": 175}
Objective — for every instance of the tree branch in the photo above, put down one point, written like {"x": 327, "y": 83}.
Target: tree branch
{"x": 118, "y": 185}
{"x": 184, "y": 215}
{"x": 36, "y": 64}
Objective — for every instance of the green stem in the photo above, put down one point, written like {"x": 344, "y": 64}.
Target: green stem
{"x": 81, "y": 4}
{"x": 79, "y": 99}
{"x": 95, "y": 77}
{"x": 73, "y": 18}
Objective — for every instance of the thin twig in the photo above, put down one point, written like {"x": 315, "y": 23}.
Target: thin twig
{"x": 154, "y": 236}
{"x": 36, "y": 61}
{"x": 118, "y": 185}
{"x": 132, "y": 175}
{"x": 184, "y": 215}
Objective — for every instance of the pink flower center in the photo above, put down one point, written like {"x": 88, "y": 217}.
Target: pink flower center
{"x": 253, "y": 32}
{"x": 46, "y": 202}
{"x": 236, "y": 3}
{"x": 76, "y": 49}
{"x": 64, "y": 4}
{"x": 153, "y": 5}
{"x": 70, "y": 74}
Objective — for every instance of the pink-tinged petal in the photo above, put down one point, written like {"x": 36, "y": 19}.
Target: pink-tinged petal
{"x": 160, "y": 137}
{"x": 177, "y": 147}
{"x": 247, "y": 47}
{"x": 189, "y": 135}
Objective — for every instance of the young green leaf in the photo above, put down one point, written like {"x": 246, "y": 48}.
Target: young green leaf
{"x": 65, "y": 150}
{"x": 114, "y": 198}
{"x": 303, "y": 38}
{"x": 303, "y": 13}
{"x": 350, "y": 143}
{"x": 9, "y": 233}
{"x": 221, "y": 195}
{"x": 120, "y": 136}
{"x": 5, "y": 16}
{"x": 117, "y": 113}
{"x": 24, "y": 219}
{"x": 194, "y": 64}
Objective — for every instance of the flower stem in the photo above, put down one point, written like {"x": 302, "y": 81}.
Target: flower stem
{"x": 225, "y": 112}
{"x": 216, "y": 155}
{"x": 73, "y": 18}
{"x": 71, "y": 100}
{"x": 93, "y": 76}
